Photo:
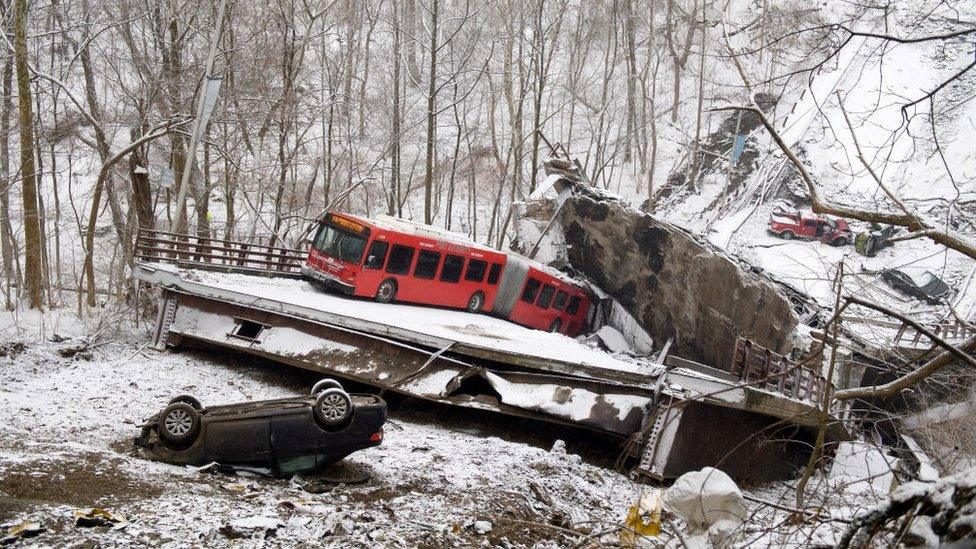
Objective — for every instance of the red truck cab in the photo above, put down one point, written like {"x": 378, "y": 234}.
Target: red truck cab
{"x": 810, "y": 226}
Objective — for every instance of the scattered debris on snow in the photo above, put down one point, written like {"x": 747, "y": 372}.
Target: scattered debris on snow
{"x": 612, "y": 339}
{"x": 710, "y": 503}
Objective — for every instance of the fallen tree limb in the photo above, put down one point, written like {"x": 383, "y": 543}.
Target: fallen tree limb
{"x": 949, "y": 502}
{"x": 911, "y": 378}
{"x": 921, "y": 329}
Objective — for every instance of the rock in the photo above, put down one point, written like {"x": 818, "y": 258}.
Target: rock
{"x": 673, "y": 283}
{"x": 559, "y": 447}
{"x": 97, "y": 517}
{"x": 249, "y": 527}
{"x": 19, "y": 531}
{"x": 709, "y": 502}
{"x": 482, "y": 526}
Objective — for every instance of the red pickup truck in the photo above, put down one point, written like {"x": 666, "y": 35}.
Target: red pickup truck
{"x": 810, "y": 226}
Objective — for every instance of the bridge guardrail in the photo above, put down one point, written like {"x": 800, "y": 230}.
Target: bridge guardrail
{"x": 217, "y": 254}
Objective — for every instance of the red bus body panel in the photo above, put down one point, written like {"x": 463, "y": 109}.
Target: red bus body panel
{"x": 533, "y": 315}
{"x": 359, "y": 279}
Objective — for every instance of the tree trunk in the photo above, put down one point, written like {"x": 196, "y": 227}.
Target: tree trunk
{"x": 172, "y": 75}
{"x": 396, "y": 200}
{"x": 10, "y": 270}
{"x": 630, "y": 22}
{"x": 696, "y": 153}
{"x": 410, "y": 39}
{"x": 41, "y": 212}
{"x": 141, "y": 192}
{"x": 454, "y": 161}
{"x": 431, "y": 116}
{"x": 33, "y": 278}
{"x": 230, "y": 191}
{"x": 540, "y": 84}
{"x": 351, "y": 51}
{"x": 202, "y": 200}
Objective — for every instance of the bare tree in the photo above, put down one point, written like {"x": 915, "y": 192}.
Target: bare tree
{"x": 680, "y": 52}
{"x": 33, "y": 277}
{"x": 431, "y": 115}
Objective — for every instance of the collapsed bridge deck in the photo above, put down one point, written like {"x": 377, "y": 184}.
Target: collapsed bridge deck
{"x": 482, "y": 362}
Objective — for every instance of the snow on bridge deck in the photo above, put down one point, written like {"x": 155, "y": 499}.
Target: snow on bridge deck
{"x": 480, "y": 335}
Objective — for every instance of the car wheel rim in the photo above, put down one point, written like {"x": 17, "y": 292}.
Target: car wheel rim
{"x": 475, "y": 303}
{"x": 385, "y": 291}
{"x": 334, "y": 407}
{"x": 178, "y": 423}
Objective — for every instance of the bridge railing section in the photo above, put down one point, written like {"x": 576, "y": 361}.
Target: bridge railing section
{"x": 762, "y": 368}
{"x": 216, "y": 254}
{"x": 952, "y": 332}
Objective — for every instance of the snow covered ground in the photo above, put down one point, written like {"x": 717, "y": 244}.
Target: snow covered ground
{"x": 72, "y": 405}
{"x": 65, "y": 445}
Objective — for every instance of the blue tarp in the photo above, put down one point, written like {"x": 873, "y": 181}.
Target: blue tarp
{"x": 737, "y": 148}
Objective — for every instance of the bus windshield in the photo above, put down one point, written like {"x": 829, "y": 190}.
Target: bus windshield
{"x": 339, "y": 244}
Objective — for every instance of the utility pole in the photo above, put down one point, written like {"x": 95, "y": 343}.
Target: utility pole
{"x": 199, "y": 124}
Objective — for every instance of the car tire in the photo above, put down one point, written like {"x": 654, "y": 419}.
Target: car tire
{"x": 189, "y": 399}
{"x": 332, "y": 409}
{"x": 323, "y": 384}
{"x": 386, "y": 292}
{"x": 787, "y": 235}
{"x": 555, "y": 326}
{"x": 840, "y": 242}
{"x": 179, "y": 424}
{"x": 476, "y": 302}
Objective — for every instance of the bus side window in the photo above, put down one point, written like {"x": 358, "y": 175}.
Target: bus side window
{"x": 494, "y": 273}
{"x": 545, "y": 296}
{"x": 426, "y": 264}
{"x": 377, "y": 255}
{"x": 453, "y": 265}
{"x": 574, "y": 305}
{"x": 560, "y": 302}
{"x": 531, "y": 290}
{"x": 476, "y": 270}
{"x": 400, "y": 259}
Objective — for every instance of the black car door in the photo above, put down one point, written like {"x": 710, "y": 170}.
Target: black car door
{"x": 295, "y": 434}
{"x": 243, "y": 440}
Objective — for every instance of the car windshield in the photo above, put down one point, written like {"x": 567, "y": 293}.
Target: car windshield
{"x": 932, "y": 285}
{"x": 339, "y": 244}
{"x": 924, "y": 279}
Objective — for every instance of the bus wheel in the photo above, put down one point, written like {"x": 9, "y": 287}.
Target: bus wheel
{"x": 555, "y": 326}
{"x": 386, "y": 293}
{"x": 476, "y": 302}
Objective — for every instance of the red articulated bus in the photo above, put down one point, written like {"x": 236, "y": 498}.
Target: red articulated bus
{"x": 391, "y": 259}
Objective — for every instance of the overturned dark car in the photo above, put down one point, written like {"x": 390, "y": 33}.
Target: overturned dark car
{"x": 282, "y": 437}
{"x": 923, "y": 285}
